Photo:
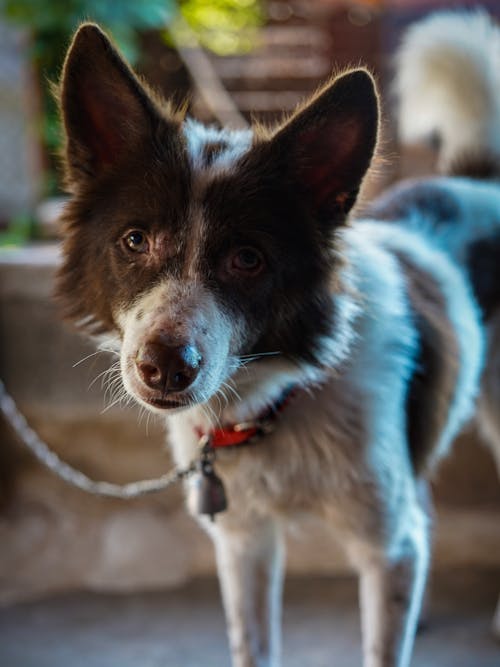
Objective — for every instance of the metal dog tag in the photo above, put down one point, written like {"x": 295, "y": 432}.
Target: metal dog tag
{"x": 206, "y": 494}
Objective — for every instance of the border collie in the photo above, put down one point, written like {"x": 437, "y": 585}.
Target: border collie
{"x": 311, "y": 362}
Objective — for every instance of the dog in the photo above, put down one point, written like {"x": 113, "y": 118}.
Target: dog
{"x": 311, "y": 362}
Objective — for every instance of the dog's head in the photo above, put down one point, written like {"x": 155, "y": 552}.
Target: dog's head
{"x": 196, "y": 247}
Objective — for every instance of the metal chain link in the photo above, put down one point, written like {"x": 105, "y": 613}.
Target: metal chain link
{"x": 72, "y": 476}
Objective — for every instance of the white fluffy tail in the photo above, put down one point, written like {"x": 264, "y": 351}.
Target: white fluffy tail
{"x": 448, "y": 85}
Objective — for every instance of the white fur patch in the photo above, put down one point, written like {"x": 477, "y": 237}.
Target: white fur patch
{"x": 478, "y": 215}
{"x": 461, "y": 309}
{"x": 384, "y": 357}
{"x": 184, "y": 312}
{"x": 198, "y": 136}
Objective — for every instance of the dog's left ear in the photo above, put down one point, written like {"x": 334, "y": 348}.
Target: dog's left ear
{"x": 107, "y": 112}
{"x": 327, "y": 146}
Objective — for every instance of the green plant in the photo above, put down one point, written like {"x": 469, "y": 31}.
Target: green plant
{"x": 51, "y": 24}
{"x": 224, "y": 26}
{"x": 20, "y": 230}
{"x": 221, "y": 25}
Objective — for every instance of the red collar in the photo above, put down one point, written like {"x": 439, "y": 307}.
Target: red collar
{"x": 249, "y": 431}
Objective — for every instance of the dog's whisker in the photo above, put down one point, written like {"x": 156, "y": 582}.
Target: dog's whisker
{"x": 258, "y": 355}
{"x": 246, "y": 362}
{"x": 88, "y": 356}
{"x": 97, "y": 377}
{"x": 113, "y": 387}
{"x": 112, "y": 405}
{"x": 216, "y": 396}
{"x": 128, "y": 400}
{"x": 113, "y": 400}
{"x": 109, "y": 371}
{"x": 142, "y": 414}
{"x": 112, "y": 371}
{"x": 222, "y": 394}
{"x": 149, "y": 416}
{"x": 110, "y": 350}
{"x": 210, "y": 414}
{"x": 232, "y": 389}
{"x": 111, "y": 377}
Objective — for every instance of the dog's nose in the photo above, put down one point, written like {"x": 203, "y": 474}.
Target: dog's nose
{"x": 170, "y": 369}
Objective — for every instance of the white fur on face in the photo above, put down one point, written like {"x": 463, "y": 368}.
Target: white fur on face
{"x": 188, "y": 314}
{"x": 234, "y": 144}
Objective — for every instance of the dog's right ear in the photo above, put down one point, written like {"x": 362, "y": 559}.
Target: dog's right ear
{"x": 324, "y": 150}
{"x": 105, "y": 109}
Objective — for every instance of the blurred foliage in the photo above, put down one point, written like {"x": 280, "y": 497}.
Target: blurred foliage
{"x": 20, "y": 230}
{"x": 59, "y": 18}
{"x": 51, "y": 23}
{"x": 221, "y": 25}
{"x": 224, "y": 26}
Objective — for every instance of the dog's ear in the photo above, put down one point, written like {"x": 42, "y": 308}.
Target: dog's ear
{"x": 105, "y": 109}
{"x": 327, "y": 146}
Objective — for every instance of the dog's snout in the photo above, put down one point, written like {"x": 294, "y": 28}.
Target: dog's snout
{"x": 168, "y": 368}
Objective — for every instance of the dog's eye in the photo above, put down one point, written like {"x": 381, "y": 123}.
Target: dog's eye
{"x": 246, "y": 260}
{"x": 136, "y": 241}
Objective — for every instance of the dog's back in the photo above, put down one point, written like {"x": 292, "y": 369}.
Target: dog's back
{"x": 448, "y": 87}
{"x": 448, "y": 84}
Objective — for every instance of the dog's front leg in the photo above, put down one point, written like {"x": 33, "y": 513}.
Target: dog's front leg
{"x": 250, "y": 565}
{"x": 392, "y": 585}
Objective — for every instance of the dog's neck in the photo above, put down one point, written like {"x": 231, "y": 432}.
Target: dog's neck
{"x": 258, "y": 387}
{"x": 247, "y": 432}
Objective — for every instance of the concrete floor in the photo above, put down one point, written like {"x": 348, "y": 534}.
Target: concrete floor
{"x": 185, "y": 628}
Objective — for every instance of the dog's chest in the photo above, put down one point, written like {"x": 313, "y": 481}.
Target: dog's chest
{"x": 316, "y": 457}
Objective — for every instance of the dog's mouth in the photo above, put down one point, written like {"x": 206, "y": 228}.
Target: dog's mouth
{"x": 166, "y": 403}
{"x": 158, "y": 400}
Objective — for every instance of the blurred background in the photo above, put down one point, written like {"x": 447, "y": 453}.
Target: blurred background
{"x": 234, "y": 61}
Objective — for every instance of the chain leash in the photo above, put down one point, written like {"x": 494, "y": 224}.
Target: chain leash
{"x": 74, "y": 477}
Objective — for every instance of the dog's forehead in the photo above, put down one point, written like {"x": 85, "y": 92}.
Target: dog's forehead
{"x": 210, "y": 149}
{"x": 211, "y": 153}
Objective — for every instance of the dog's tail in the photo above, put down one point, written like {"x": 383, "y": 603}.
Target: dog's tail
{"x": 448, "y": 86}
